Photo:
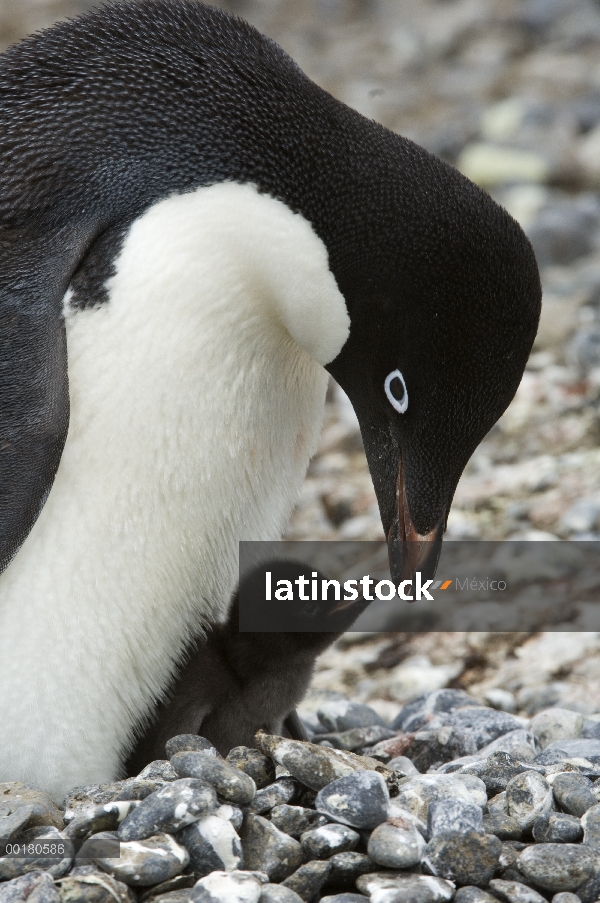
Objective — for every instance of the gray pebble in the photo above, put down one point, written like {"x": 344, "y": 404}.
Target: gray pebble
{"x": 495, "y": 771}
{"x": 528, "y": 795}
{"x": 169, "y": 809}
{"x": 396, "y": 844}
{"x": 402, "y": 765}
{"x": 230, "y": 783}
{"x": 590, "y": 822}
{"x": 566, "y": 897}
{"x": 146, "y": 862}
{"x": 358, "y": 737}
{"x": 269, "y": 850}
{"x": 589, "y": 891}
{"x": 416, "y": 793}
{"x": 188, "y": 743}
{"x": 323, "y": 842}
{"x": 557, "y": 866}
{"x": 213, "y": 845}
{"x": 466, "y": 857}
{"x": 134, "y": 789}
{"x": 15, "y": 794}
{"x": 557, "y": 827}
{"x": 253, "y": 763}
{"x": 282, "y": 791}
{"x": 10, "y": 825}
{"x": 88, "y": 884}
{"x": 344, "y": 898}
{"x": 172, "y": 896}
{"x": 308, "y": 880}
{"x": 229, "y": 887}
{"x": 343, "y": 715}
{"x": 277, "y": 893}
{"x": 473, "y": 895}
{"x": 453, "y": 815}
{"x": 36, "y": 886}
{"x": 562, "y": 750}
{"x": 416, "y": 713}
{"x": 107, "y": 817}
{"x": 347, "y": 867}
{"x": 406, "y": 888}
{"x": 359, "y": 800}
{"x": 573, "y": 794}
{"x": 178, "y": 883}
{"x": 432, "y": 748}
{"x": 556, "y": 724}
{"x": 520, "y": 744}
{"x": 295, "y": 820}
{"x": 483, "y": 724}
{"x": 158, "y": 770}
{"x": 515, "y": 892}
{"x": 503, "y": 826}
{"x": 14, "y": 867}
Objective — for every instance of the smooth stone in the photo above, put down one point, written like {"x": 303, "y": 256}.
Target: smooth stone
{"x": 81, "y": 799}
{"x": 503, "y": 826}
{"x": 172, "y": 896}
{"x": 515, "y": 892}
{"x": 277, "y": 794}
{"x": 146, "y": 862}
{"x": 37, "y": 886}
{"x": 466, "y": 857}
{"x": 406, "y": 888}
{"x": 433, "y": 748}
{"x": 158, "y": 770}
{"x": 107, "y": 817}
{"x": 10, "y": 825}
{"x": 520, "y": 744}
{"x": 590, "y": 822}
{"x": 566, "y": 897}
{"x": 501, "y": 699}
{"x": 556, "y": 724}
{"x": 396, "y": 810}
{"x": 278, "y": 893}
{"x": 178, "y": 883}
{"x": 230, "y": 813}
{"x": 343, "y": 715}
{"x": 528, "y": 796}
{"x": 315, "y": 766}
{"x": 559, "y": 750}
{"x": 14, "y": 867}
{"x": 15, "y": 794}
{"x": 268, "y": 849}
{"x": 495, "y": 771}
{"x": 416, "y": 793}
{"x": 295, "y": 820}
{"x": 557, "y": 866}
{"x": 396, "y": 844}
{"x": 230, "y": 783}
{"x": 557, "y": 828}
{"x": 470, "y": 894}
{"x": 347, "y": 867}
{"x": 253, "y": 763}
{"x": 134, "y": 789}
{"x": 169, "y": 809}
{"x": 344, "y": 898}
{"x": 213, "y": 845}
{"x": 229, "y": 887}
{"x": 308, "y": 880}
{"x": 589, "y": 891}
{"x": 453, "y": 815}
{"x": 188, "y": 743}
{"x": 321, "y": 843}
{"x": 416, "y": 713}
{"x": 483, "y": 724}
{"x": 573, "y": 794}
{"x": 402, "y": 765}
{"x": 360, "y": 800}
{"x": 359, "y": 737}
{"x": 88, "y": 884}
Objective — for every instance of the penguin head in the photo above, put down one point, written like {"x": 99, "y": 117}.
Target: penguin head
{"x": 441, "y": 329}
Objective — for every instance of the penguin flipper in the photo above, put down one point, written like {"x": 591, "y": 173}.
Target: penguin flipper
{"x": 34, "y": 412}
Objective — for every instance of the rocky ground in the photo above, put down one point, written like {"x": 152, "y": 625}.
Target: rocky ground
{"x": 508, "y": 91}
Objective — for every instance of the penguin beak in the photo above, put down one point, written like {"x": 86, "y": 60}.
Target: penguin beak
{"x": 408, "y": 550}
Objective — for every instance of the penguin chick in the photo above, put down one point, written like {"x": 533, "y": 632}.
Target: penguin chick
{"x": 235, "y": 683}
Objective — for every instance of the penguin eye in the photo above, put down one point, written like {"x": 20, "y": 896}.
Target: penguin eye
{"x": 395, "y": 389}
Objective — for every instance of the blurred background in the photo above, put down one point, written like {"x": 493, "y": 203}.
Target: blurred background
{"x": 509, "y": 92}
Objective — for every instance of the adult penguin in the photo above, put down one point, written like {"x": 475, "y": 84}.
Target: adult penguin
{"x": 192, "y": 234}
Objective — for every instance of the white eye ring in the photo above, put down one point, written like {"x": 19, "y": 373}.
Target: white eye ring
{"x": 401, "y": 405}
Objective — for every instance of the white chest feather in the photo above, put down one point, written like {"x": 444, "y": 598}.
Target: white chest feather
{"x": 196, "y": 401}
